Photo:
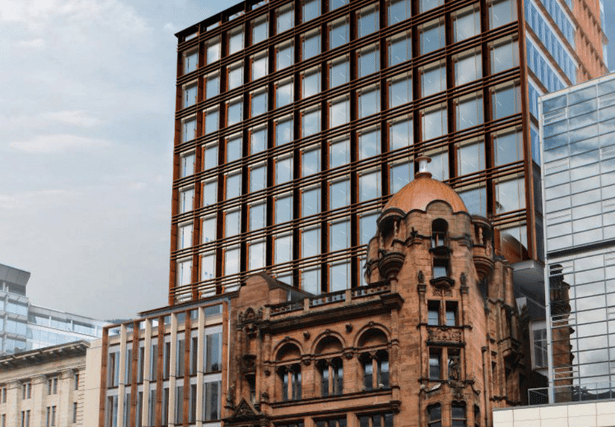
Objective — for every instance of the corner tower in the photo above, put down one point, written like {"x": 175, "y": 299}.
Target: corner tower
{"x": 432, "y": 339}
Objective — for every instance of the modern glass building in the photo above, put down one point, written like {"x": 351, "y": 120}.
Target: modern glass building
{"x": 296, "y": 120}
{"x": 25, "y": 326}
{"x": 578, "y": 145}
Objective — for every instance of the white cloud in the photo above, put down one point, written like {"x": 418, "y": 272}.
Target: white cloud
{"x": 73, "y": 118}
{"x": 170, "y": 28}
{"x": 37, "y": 43}
{"x": 45, "y": 144}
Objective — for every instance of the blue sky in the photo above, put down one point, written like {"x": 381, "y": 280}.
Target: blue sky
{"x": 86, "y": 137}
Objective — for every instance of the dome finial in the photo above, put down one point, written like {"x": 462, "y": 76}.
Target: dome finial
{"x": 423, "y": 161}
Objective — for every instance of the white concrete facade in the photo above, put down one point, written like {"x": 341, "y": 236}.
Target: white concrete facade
{"x": 581, "y": 414}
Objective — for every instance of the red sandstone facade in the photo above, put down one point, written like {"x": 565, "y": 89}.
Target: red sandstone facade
{"x": 431, "y": 341}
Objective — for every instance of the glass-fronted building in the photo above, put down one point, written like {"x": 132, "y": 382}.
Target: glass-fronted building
{"x": 297, "y": 119}
{"x": 578, "y": 145}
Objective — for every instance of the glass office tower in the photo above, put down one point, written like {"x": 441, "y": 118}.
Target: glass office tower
{"x": 578, "y": 141}
{"x": 296, "y": 120}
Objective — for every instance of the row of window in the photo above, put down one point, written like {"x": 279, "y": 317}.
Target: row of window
{"x": 211, "y": 351}
{"x": 466, "y": 24}
{"x": 432, "y": 77}
{"x": 211, "y": 392}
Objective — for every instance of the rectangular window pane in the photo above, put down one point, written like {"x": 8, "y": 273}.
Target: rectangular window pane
{"x": 258, "y": 140}
{"x": 260, "y": 65}
{"x": 233, "y": 148}
{"x": 283, "y": 170}
{"x": 234, "y": 111}
{"x": 311, "y": 9}
{"x": 232, "y": 223}
{"x": 310, "y": 122}
{"x": 310, "y": 202}
{"x": 369, "y": 185}
{"x": 339, "y": 111}
{"x": 368, "y": 60}
{"x": 469, "y": 111}
{"x": 401, "y": 133}
{"x": 259, "y": 29}
{"x": 208, "y": 267}
{"x": 468, "y": 67}
{"x": 400, "y": 90}
{"x": 231, "y": 261}
{"x": 235, "y": 75}
{"x": 368, "y": 21}
{"x": 434, "y": 122}
{"x": 466, "y": 23}
{"x": 369, "y": 142}
{"x": 339, "y": 152}
{"x": 401, "y": 174}
{"x": 432, "y": 36}
{"x": 283, "y": 93}
{"x": 257, "y": 255}
{"x": 233, "y": 185}
{"x": 284, "y": 131}
{"x": 285, "y": 55}
{"x": 283, "y": 209}
{"x": 369, "y": 101}
{"x": 400, "y": 49}
{"x": 311, "y": 44}
{"x": 471, "y": 157}
{"x": 339, "y": 194}
{"x": 283, "y": 249}
{"x": 258, "y": 104}
{"x": 310, "y": 161}
{"x": 310, "y": 242}
{"x": 433, "y": 79}
{"x": 399, "y": 10}
{"x": 189, "y": 129}
{"x": 235, "y": 40}
{"x": 257, "y": 216}
{"x": 338, "y": 33}
{"x": 285, "y": 18}
{"x": 213, "y": 50}
{"x": 339, "y": 72}
{"x": 310, "y": 84}
{"x": 189, "y": 95}
{"x": 258, "y": 179}
{"x": 339, "y": 236}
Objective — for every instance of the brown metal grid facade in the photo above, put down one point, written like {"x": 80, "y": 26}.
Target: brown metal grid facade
{"x": 216, "y": 240}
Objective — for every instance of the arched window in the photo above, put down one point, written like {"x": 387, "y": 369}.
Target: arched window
{"x": 332, "y": 377}
{"x": 458, "y": 414}
{"x": 434, "y": 415}
{"x": 375, "y": 370}
{"x": 291, "y": 382}
{"x": 439, "y": 229}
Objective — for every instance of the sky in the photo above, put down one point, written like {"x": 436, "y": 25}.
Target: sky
{"x": 87, "y": 91}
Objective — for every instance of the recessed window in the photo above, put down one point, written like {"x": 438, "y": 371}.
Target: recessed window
{"x": 191, "y": 61}
{"x": 369, "y": 142}
{"x": 284, "y": 93}
{"x": 368, "y": 60}
{"x": 283, "y": 169}
{"x": 213, "y": 50}
{"x": 470, "y": 157}
{"x": 283, "y": 250}
{"x": 468, "y": 67}
{"x": 210, "y": 156}
{"x": 466, "y": 23}
{"x": 231, "y": 261}
{"x": 208, "y": 266}
{"x": 510, "y": 195}
{"x": 310, "y": 201}
{"x": 399, "y": 10}
{"x": 433, "y": 78}
{"x": 184, "y": 274}
{"x": 259, "y": 29}
{"x": 426, "y": 5}
{"x": 233, "y": 185}
{"x": 284, "y": 55}
{"x": 339, "y": 111}
{"x": 469, "y": 111}
{"x": 450, "y": 314}
{"x": 400, "y": 90}
{"x": 310, "y": 161}
{"x": 339, "y": 235}
{"x": 339, "y": 276}
{"x": 502, "y": 12}
{"x": 400, "y": 48}
{"x": 234, "y": 111}
{"x": 259, "y": 65}
{"x": 283, "y": 208}
{"x": 258, "y": 102}
{"x": 257, "y": 215}
{"x": 310, "y": 9}
{"x": 434, "y": 122}
{"x": 311, "y": 44}
{"x": 434, "y": 415}
{"x": 401, "y": 133}
{"x": 338, "y": 33}
{"x": 310, "y": 121}
{"x": 339, "y": 193}
{"x": 232, "y": 223}
{"x": 256, "y": 254}
{"x": 186, "y": 200}
{"x": 370, "y": 185}
{"x": 212, "y": 85}
{"x": 339, "y": 152}
{"x": 438, "y": 167}
{"x": 458, "y": 414}
{"x": 233, "y": 148}
{"x": 334, "y": 4}
{"x": 186, "y": 167}
{"x": 235, "y": 75}
{"x": 432, "y": 36}
{"x": 184, "y": 236}
{"x": 435, "y": 369}
{"x": 504, "y": 55}
{"x": 310, "y": 242}
{"x": 508, "y": 147}
{"x": 188, "y": 129}
{"x": 401, "y": 173}
{"x": 189, "y": 95}
{"x": 505, "y": 100}
{"x": 210, "y": 192}
{"x": 475, "y": 199}
{"x": 310, "y": 82}
{"x": 258, "y": 177}
{"x": 283, "y": 130}
{"x": 369, "y": 100}
{"x": 339, "y": 71}
{"x": 368, "y": 227}
{"x": 433, "y": 313}
{"x": 212, "y": 120}
{"x": 285, "y": 18}
{"x": 258, "y": 139}
{"x": 235, "y": 40}
{"x": 209, "y": 229}
{"x": 367, "y": 20}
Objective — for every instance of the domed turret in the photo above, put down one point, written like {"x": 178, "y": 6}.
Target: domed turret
{"x": 423, "y": 190}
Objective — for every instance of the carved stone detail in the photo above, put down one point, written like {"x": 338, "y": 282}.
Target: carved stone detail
{"x": 444, "y": 335}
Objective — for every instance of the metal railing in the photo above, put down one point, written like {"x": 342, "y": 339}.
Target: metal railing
{"x": 571, "y": 393}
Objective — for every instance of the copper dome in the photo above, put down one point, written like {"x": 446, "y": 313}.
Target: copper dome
{"x": 423, "y": 190}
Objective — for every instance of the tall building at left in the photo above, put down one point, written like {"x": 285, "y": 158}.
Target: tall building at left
{"x": 26, "y": 326}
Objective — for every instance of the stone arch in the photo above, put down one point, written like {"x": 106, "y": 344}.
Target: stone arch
{"x": 288, "y": 350}
{"x": 372, "y": 335}
{"x": 327, "y": 343}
